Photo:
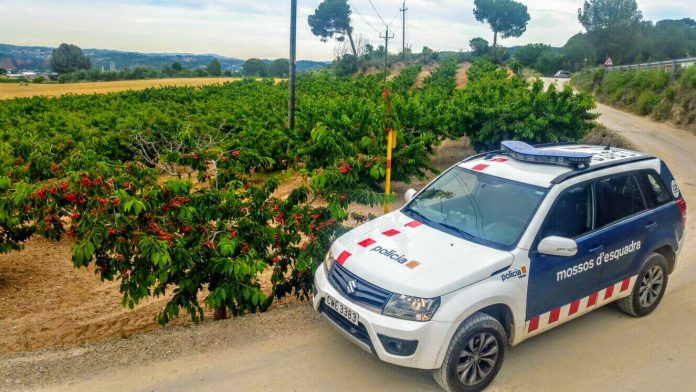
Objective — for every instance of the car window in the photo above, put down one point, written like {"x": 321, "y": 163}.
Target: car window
{"x": 617, "y": 198}
{"x": 657, "y": 191}
{"x": 571, "y": 215}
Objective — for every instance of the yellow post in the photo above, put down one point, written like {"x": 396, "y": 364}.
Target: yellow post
{"x": 387, "y": 186}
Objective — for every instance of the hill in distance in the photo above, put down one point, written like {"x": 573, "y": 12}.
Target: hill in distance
{"x": 36, "y": 58}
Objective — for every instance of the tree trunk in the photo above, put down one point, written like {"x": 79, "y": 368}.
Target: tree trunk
{"x": 352, "y": 44}
{"x": 220, "y": 313}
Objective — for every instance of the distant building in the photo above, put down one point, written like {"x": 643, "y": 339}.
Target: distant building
{"x": 110, "y": 67}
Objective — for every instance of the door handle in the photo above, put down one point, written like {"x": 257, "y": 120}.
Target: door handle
{"x": 651, "y": 226}
{"x": 597, "y": 248}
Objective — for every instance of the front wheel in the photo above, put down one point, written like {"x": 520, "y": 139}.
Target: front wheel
{"x": 474, "y": 355}
{"x": 649, "y": 288}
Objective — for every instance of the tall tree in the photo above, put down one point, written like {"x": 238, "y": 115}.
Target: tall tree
{"x": 69, "y": 58}
{"x": 479, "y": 46}
{"x": 214, "y": 68}
{"x": 332, "y": 19}
{"x": 579, "y": 51}
{"x": 506, "y": 17}
{"x": 255, "y": 67}
{"x": 279, "y": 68}
{"x": 528, "y": 54}
{"x": 612, "y": 26}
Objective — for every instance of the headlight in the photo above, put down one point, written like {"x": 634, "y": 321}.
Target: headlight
{"x": 411, "y": 308}
{"x": 328, "y": 261}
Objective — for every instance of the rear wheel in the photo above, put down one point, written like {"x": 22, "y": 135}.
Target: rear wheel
{"x": 474, "y": 356}
{"x": 649, "y": 288}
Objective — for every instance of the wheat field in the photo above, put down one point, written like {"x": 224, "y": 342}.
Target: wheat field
{"x": 17, "y": 90}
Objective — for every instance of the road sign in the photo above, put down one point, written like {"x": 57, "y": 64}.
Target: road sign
{"x": 608, "y": 63}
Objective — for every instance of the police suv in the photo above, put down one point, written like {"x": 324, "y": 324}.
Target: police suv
{"x": 499, "y": 248}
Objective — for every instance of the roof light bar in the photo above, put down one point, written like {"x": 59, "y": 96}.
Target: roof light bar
{"x": 524, "y": 152}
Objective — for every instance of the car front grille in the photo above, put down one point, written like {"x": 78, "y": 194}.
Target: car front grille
{"x": 357, "y": 289}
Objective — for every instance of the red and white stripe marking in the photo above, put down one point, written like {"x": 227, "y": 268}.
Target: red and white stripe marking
{"x": 345, "y": 255}
{"x": 579, "y": 307}
{"x": 483, "y": 166}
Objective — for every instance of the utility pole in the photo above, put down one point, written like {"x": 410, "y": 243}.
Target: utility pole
{"x": 293, "y": 66}
{"x": 386, "y": 37}
{"x": 403, "y": 31}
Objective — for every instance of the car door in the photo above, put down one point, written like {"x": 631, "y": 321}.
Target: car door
{"x": 555, "y": 281}
{"x": 621, "y": 226}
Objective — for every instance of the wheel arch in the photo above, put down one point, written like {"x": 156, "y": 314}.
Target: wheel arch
{"x": 668, "y": 252}
{"x": 498, "y": 308}
{"x": 503, "y": 314}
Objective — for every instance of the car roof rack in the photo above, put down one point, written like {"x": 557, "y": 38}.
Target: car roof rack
{"x": 577, "y": 172}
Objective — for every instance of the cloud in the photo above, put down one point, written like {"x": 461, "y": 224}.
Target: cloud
{"x": 259, "y": 28}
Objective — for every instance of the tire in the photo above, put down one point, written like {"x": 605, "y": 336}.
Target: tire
{"x": 477, "y": 328}
{"x": 651, "y": 283}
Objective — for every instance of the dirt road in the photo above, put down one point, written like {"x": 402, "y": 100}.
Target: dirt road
{"x": 292, "y": 349}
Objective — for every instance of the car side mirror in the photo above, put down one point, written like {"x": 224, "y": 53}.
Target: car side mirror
{"x": 558, "y": 246}
{"x": 409, "y": 194}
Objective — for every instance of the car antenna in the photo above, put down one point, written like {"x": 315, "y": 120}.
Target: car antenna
{"x": 608, "y": 147}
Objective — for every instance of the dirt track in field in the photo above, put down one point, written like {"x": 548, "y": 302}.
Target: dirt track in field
{"x": 291, "y": 348}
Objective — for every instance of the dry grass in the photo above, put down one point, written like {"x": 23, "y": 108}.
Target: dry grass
{"x": 16, "y": 90}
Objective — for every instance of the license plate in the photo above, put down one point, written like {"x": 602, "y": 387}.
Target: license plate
{"x": 341, "y": 309}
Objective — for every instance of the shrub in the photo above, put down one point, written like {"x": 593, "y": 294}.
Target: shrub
{"x": 647, "y": 102}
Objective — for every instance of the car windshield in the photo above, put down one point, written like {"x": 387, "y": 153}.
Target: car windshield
{"x": 485, "y": 209}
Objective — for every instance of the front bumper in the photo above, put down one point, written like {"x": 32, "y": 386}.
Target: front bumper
{"x": 429, "y": 335}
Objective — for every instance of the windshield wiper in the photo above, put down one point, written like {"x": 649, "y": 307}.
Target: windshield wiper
{"x": 445, "y": 225}
{"x": 420, "y": 215}
{"x": 456, "y": 230}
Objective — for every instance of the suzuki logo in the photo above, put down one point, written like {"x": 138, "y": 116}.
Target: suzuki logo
{"x": 351, "y": 286}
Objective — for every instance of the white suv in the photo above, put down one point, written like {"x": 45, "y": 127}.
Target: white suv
{"x": 499, "y": 248}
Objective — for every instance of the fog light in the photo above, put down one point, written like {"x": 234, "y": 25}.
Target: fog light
{"x": 400, "y": 347}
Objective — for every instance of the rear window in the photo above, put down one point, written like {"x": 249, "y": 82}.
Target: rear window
{"x": 656, "y": 191}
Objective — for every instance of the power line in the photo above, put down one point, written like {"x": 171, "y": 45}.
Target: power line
{"x": 377, "y": 12}
{"x": 363, "y": 18}
{"x": 394, "y": 18}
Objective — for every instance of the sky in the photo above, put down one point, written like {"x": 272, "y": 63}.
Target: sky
{"x": 259, "y": 28}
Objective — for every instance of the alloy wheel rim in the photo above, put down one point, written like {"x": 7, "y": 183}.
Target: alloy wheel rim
{"x": 478, "y": 358}
{"x": 651, "y": 286}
